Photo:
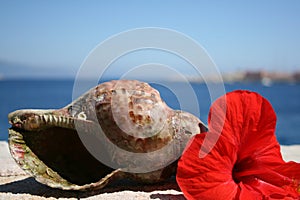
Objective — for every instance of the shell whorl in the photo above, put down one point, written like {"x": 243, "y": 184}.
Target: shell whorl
{"x": 133, "y": 116}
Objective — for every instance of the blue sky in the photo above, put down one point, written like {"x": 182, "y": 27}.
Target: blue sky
{"x": 238, "y": 35}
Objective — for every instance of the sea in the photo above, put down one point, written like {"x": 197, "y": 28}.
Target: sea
{"x": 54, "y": 94}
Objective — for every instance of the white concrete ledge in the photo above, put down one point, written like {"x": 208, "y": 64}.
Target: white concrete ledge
{"x": 14, "y": 184}
{"x": 291, "y": 153}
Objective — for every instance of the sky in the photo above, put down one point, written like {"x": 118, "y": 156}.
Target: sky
{"x": 53, "y": 38}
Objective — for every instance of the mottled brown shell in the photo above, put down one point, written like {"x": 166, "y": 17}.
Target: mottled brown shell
{"x": 121, "y": 119}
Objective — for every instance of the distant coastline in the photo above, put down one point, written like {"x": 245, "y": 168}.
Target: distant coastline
{"x": 264, "y": 77}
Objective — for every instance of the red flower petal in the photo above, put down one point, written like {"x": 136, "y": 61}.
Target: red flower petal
{"x": 243, "y": 159}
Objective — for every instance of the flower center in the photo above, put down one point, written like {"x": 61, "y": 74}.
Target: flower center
{"x": 235, "y": 176}
{"x": 243, "y": 169}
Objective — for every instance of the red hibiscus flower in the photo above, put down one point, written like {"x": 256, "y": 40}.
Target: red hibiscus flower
{"x": 244, "y": 162}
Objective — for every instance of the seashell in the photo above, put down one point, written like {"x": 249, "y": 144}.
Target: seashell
{"x": 125, "y": 121}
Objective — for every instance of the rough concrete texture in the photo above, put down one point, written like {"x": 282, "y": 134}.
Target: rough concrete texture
{"x": 15, "y": 184}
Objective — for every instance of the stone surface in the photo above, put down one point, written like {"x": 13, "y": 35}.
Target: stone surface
{"x": 15, "y": 185}
{"x": 8, "y": 166}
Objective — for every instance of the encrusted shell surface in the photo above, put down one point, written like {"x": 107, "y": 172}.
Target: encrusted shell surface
{"x": 132, "y": 116}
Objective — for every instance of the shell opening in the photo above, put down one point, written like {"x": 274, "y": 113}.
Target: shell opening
{"x": 61, "y": 150}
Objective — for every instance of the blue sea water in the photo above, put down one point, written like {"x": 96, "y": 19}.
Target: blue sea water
{"x": 45, "y": 94}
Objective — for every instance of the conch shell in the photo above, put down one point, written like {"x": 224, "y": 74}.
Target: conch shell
{"x": 126, "y": 123}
